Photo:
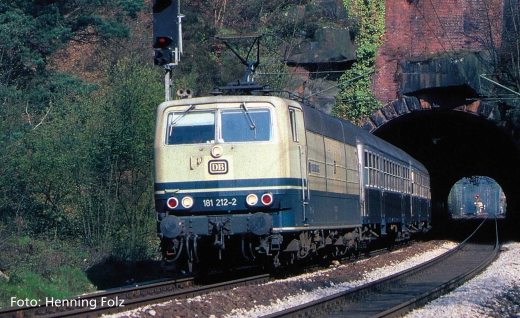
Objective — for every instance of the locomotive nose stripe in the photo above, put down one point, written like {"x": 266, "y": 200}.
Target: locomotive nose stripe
{"x": 236, "y": 183}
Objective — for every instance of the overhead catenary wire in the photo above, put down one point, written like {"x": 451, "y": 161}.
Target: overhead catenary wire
{"x": 289, "y": 73}
{"x": 442, "y": 27}
{"x": 342, "y": 83}
{"x": 499, "y": 85}
{"x": 435, "y": 35}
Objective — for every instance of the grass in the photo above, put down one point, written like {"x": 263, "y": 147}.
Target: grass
{"x": 65, "y": 282}
{"x": 40, "y": 268}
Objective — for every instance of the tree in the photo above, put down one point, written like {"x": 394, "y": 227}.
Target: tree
{"x": 30, "y": 31}
{"x": 51, "y": 124}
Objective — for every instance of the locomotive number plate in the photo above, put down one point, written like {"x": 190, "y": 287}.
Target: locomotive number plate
{"x": 218, "y": 166}
{"x": 220, "y": 202}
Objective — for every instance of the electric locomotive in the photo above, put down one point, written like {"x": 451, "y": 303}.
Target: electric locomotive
{"x": 254, "y": 178}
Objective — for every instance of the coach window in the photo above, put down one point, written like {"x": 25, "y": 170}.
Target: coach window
{"x": 391, "y": 175}
{"x": 366, "y": 170}
{"x": 412, "y": 182}
{"x": 370, "y": 165}
{"x": 377, "y": 181}
{"x": 394, "y": 176}
{"x": 370, "y": 169}
{"x": 406, "y": 180}
{"x": 403, "y": 181}
{"x": 420, "y": 184}
{"x": 415, "y": 184}
{"x": 372, "y": 172}
{"x": 246, "y": 125}
{"x": 385, "y": 174}
{"x": 190, "y": 128}
{"x": 423, "y": 186}
{"x": 378, "y": 171}
{"x": 392, "y": 179}
{"x": 429, "y": 189}
{"x": 400, "y": 178}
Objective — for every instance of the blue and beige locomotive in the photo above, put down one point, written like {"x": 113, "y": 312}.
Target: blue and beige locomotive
{"x": 262, "y": 178}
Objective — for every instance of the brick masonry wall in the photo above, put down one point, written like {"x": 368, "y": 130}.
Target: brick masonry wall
{"x": 421, "y": 29}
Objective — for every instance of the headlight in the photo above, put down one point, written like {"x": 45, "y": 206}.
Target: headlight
{"x": 252, "y": 199}
{"x": 187, "y": 202}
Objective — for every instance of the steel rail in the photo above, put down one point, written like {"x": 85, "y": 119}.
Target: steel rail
{"x": 332, "y": 305}
{"x": 124, "y": 299}
{"x": 131, "y": 297}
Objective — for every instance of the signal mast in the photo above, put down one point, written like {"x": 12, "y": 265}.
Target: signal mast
{"x": 167, "y": 35}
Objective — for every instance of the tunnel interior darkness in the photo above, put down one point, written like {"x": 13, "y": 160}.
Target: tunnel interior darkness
{"x": 453, "y": 145}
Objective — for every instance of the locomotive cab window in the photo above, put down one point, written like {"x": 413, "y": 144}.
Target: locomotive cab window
{"x": 294, "y": 128}
{"x": 246, "y": 125}
{"x": 228, "y": 125}
{"x": 190, "y": 128}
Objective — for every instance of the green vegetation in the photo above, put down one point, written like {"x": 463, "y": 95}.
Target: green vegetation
{"x": 78, "y": 93}
{"x": 76, "y": 170}
{"x": 355, "y": 99}
{"x": 62, "y": 284}
{"x": 39, "y": 268}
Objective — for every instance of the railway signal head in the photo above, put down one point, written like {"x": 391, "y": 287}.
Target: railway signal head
{"x": 163, "y": 42}
{"x": 165, "y": 30}
{"x": 163, "y": 56}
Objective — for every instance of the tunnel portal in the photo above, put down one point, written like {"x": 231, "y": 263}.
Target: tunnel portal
{"x": 454, "y": 144}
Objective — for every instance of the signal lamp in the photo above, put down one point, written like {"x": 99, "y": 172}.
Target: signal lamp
{"x": 172, "y": 203}
{"x": 267, "y": 198}
{"x": 163, "y": 42}
{"x": 162, "y": 57}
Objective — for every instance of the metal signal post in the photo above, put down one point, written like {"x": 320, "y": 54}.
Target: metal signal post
{"x": 167, "y": 33}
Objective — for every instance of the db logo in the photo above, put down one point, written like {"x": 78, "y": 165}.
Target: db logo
{"x": 218, "y": 166}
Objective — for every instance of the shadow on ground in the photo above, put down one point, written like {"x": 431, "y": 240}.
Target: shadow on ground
{"x": 112, "y": 273}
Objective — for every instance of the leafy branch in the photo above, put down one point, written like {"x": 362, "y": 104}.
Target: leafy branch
{"x": 355, "y": 99}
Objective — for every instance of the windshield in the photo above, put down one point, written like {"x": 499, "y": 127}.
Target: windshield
{"x": 236, "y": 125}
{"x": 191, "y": 128}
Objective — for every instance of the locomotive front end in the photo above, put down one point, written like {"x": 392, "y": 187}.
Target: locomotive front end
{"x": 222, "y": 176}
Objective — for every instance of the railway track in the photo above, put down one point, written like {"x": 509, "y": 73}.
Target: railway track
{"x": 400, "y": 293}
{"x": 124, "y": 299}
{"x": 131, "y": 297}
{"x": 115, "y": 301}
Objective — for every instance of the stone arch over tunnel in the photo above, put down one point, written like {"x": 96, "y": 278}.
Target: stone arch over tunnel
{"x": 452, "y": 144}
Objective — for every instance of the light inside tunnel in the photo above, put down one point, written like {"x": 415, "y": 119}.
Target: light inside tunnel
{"x": 476, "y": 195}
